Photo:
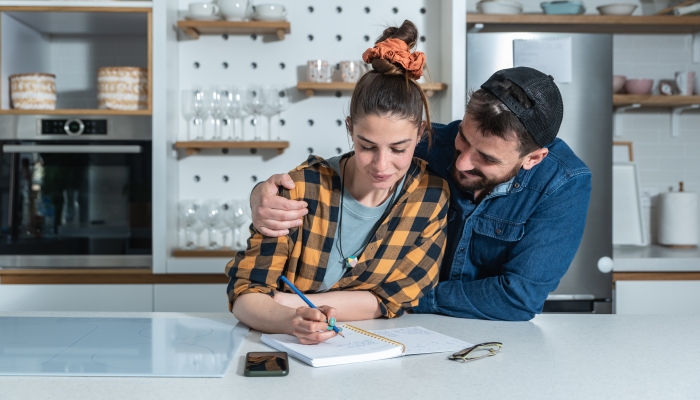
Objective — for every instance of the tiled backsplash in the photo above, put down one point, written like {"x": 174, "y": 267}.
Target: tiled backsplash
{"x": 663, "y": 160}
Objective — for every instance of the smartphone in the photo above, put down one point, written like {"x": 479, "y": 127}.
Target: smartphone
{"x": 266, "y": 363}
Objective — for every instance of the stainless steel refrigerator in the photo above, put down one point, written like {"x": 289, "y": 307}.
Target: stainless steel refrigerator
{"x": 587, "y": 129}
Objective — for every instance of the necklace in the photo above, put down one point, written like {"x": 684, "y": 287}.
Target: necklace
{"x": 351, "y": 260}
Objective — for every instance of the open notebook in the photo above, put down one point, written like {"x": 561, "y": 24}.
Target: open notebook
{"x": 360, "y": 345}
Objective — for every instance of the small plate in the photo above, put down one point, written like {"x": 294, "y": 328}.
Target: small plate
{"x": 203, "y": 17}
{"x": 261, "y": 18}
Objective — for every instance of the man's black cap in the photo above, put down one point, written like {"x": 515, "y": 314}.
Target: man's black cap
{"x": 543, "y": 119}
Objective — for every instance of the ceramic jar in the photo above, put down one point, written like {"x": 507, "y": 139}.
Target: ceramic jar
{"x": 122, "y": 88}
{"x": 33, "y": 91}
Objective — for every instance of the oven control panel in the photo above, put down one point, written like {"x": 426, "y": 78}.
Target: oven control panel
{"x": 74, "y": 127}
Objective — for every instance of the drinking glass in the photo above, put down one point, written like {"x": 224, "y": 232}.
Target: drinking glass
{"x": 243, "y": 216}
{"x": 255, "y": 103}
{"x": 229, "y": 216}
{"x": 225, "y": 106}
{"x": 276, "y": 101}
{"x": 192, "y": 102}
{"x": 212, "y": 126}
{"x": 211, "y": 216}
{"x": 318, "y": 71}
{"x": 190, "y": 222}
{"x": 237, "y": 110}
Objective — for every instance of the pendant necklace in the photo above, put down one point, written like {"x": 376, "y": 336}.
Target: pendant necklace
{"x": 351, "y": 260}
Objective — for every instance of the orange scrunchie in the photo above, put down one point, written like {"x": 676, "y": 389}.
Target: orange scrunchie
{"x": 397, "y": 51}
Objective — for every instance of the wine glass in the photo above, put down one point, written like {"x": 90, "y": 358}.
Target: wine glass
{"x": 212, "y": 126}
{"x": 242, "y": 216}
{"x": 189, "y": 221}
{"x": 228, "y": 214}
{"x": 211, "y": 216}
{"x": 225, "y": 107}
{"x": 192, "y": 111}
{"x": 255, "y": 103}
{"x": 276, "y": 101}
{"x": 237, "y": 110}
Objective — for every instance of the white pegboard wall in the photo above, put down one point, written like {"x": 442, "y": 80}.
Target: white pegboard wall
{"x": 357, "y": 30}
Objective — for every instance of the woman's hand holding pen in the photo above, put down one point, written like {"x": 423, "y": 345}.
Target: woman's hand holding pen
{"x": 310, "y": 325}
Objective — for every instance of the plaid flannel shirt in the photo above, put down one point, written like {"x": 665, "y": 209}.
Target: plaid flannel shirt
{"x": 399, "y": 265}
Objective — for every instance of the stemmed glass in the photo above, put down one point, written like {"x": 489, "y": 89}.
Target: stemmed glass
{"x": 225, "y": 107}
{"x": 192, "y": 102}
{"x": 229, "y": 214}
{"x": 255, "y": 104}
{"x": 211, "y": 216}
{"x": 212, "y": 127}
{"x": 190, "y": 222}
{"x": 237, "y": 110}
{"x": 242, "y": 216}
{"x": 276, "y": 101}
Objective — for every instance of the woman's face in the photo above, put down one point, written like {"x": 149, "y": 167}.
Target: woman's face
{"x": 384, "y": 148}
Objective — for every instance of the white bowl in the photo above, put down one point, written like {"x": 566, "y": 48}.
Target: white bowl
{"x": 498, "y": 7}
{"x": 617, "y": 9}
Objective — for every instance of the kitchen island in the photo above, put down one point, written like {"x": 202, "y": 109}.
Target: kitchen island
{"x": 550, "y": 357}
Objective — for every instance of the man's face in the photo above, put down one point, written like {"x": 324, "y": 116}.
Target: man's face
{"x": 482, "y": 163}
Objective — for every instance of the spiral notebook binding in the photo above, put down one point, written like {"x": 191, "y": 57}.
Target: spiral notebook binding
{"x": 374, "y": 335}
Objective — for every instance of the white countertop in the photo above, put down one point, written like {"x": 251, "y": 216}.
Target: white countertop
{"x": 655, "y": 258}
{"x": 550, "y": 357}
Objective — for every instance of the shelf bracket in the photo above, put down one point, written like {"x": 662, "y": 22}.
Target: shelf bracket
{"x": 309, "y": 92}
{"x": 191, "y": 151}
{"x": 676, "y": 118}
{"x": 280, "y": 34}
{"x": 618, "y": 123}
{"x": 191, "y": 32}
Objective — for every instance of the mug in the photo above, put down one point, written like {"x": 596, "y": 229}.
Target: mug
{"x": 318, "y": 71}
{"x": 351, "y": 71}
{"x": 203, "y": 9}
{"x": 235, "y": 10}
{"x": 685, "y": 81}
{"x": 270, "y": 11}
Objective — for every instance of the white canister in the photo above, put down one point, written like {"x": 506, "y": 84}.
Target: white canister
{"x": 678, "y": 219}
{"x": 122, "y": 88}
{"x": 33, "y": 91}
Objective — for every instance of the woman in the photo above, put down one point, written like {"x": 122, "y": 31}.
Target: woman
{"x": 373, "y": 239}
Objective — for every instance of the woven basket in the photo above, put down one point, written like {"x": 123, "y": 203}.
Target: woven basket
{"x": 34, "y": 91}
{"x": 122, "y": 88}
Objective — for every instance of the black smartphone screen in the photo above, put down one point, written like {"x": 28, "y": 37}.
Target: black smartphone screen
{"x": 266, "y": 363}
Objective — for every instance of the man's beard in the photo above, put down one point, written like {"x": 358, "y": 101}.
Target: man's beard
{"x": 480, "y": 184}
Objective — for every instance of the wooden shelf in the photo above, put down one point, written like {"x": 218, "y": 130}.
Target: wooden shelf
{"x": 227, "y": 253}
{"x": 194, "y": 28}
{"x": 75, "y": 112}
{"x": 649, "y": 100}
{"x": 311, "y": 87}
{"x": 194, "y": 147}
{"x": 584, "y": 23}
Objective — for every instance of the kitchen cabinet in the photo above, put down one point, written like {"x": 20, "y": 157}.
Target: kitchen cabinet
{"x": 656, "y": 280}
{"x": 190, "y": 298}
{"x": 657, "y": 297}
{"x": 76, "y": 297}
{"x": 72, "y": 42}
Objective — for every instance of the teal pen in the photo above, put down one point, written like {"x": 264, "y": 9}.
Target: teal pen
{"x": 307, "y": 301}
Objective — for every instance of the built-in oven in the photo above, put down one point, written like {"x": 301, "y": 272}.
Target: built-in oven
{"x": 75, "y": 192}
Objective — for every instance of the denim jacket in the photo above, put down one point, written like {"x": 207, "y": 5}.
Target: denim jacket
{"x": 507, "y": 253}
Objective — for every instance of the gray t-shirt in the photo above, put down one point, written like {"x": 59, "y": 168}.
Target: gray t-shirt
{"x": 359, "y": 224}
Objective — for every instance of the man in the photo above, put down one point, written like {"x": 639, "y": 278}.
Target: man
{"x": 519, "y": 198}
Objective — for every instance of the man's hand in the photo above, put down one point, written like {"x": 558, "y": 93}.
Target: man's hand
{"x": 274, "y": 215}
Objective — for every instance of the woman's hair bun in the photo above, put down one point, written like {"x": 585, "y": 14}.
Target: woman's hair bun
{"x": 408, "y": 33}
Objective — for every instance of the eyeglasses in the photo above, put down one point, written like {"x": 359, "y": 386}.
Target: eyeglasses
{"x": 477, "y": 351}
